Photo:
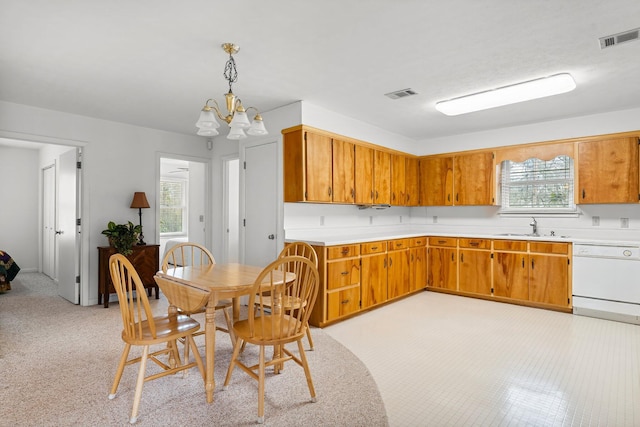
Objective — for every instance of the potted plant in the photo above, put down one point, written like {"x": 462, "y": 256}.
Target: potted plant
{"x": 122, "y": 236}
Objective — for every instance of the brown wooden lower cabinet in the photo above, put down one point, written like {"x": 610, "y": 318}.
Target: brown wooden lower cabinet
{"x": 534, "y": 273}
{"x": 362, "y": 276}
{"x": 145, "y": 259}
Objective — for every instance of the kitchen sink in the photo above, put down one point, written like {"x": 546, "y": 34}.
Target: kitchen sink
{"x": 518, "y": 234}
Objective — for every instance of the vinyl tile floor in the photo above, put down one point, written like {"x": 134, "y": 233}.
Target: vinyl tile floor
{"x": 445, "y": 360}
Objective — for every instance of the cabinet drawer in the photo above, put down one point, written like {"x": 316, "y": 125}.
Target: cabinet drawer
{"x": 510, "y": 245}
{"x": 443, "y": 241}
{"x": 475, "y": 243}
{"x": 347, "y": 251}
{"x": 398, "y": 244}
{"x": 373, "y": 248}
{"x": 417, "y": 241}
{"x": 342, "y": 303}
{"x": 343, "y": 273}
{"x": 549, "y": 247}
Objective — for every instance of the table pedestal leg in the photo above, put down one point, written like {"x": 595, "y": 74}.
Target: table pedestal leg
{"x": 210, "y": 345}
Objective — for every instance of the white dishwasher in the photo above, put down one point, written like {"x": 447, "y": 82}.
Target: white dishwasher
{"x": 606, "y": 281}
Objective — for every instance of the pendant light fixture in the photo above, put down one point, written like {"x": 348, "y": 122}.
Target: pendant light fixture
{"x": 236, "y": 115}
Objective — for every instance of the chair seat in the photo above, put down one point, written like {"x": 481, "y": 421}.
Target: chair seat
{"x": 265, "y": 330}
{"x": 167, "y": 328}
{"x": 288, "y": 302}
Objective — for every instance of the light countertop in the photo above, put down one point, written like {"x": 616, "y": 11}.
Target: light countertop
{"x": 335, "y": 236}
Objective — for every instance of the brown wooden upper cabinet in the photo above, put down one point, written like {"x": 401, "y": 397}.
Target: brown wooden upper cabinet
{"x": 608, "y": 171}
{"x": 307, "y": 167}
{"x": 381, "y": 177}
{"x": 364, "y": 175}
{"x": 318, "y": 168}
{"x": 343, "y": 154}
{"x": 412, "y": 182}
{"x": 436, "y": 181}
{"x": 473, "y": 179}
{"x": 398, "y": 168}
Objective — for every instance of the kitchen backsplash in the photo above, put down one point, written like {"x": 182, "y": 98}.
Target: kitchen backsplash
{"x": 591, "y": 221}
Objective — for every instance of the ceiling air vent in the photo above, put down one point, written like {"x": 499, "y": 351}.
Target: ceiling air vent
{"x": 401, "y": 93}
{"x": 615, "y": 39}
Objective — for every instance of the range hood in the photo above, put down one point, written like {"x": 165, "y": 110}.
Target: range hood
{"x": 379, "y": 207}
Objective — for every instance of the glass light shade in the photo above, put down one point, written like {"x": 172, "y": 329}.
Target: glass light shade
{"x": 257, "y": 127}
{"x": 240, "y": 120}
{"x": 236, "y": 133}
{"x": 207, "y": 132}
{"x": 207, "y": 120}
{"x": 533, "y": 89}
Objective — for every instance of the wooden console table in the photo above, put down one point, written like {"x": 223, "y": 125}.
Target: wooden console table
{"x": 145, "y": 259}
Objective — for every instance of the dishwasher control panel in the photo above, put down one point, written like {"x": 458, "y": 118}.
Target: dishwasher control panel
{"x": 606, "y": 251}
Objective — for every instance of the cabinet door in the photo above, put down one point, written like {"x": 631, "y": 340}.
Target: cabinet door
{"x": 373, "y": 282}
{"x": 364, "y": 175}
{"x": 343, "y": 172}
{"x": 473, "y": 179}
{"x": 436, "y": 181}
{"x": 474, "y": 272}
{"x": 318, "y": 160}
{"x": 442, "y": 268}
{"x": 417, "y": 268}
{"x": 412, "y": 182}
{"x": 343, "y": 302}
{"x": 398, "y": 168}
{"x": 397, "y": 273}
{"x": 511, "y": 275}
{"x": 382, "y": 177}
{"x": 548, "y": 279}
{"x": 608, "y": 171}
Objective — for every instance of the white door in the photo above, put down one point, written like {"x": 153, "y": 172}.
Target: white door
{"x": 67, "y": 230}
{"x": 260, "y": 204}
{"x": 49, "y": 221}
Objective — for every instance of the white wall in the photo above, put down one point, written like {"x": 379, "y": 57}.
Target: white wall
{"x": 327, "y": 120}
{"x": 19, "y": 207}
{"x": 597, "y": 124}
{"x": 119, "y": 159}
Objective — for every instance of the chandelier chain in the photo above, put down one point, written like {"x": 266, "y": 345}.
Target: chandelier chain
{"x": 230, "y": 71}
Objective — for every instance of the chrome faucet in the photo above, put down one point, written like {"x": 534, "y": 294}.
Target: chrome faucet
{"x": 534, "y": 224}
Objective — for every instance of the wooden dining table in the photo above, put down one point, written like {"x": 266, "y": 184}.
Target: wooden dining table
{"x": 223, "y": 281}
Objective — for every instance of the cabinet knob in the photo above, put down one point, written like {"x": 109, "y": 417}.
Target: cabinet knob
{"x": 344, "y": 273}
{"x": 344, "y": 301}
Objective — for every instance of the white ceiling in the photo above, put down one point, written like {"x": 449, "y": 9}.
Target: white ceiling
{"x": 154, "y": 63}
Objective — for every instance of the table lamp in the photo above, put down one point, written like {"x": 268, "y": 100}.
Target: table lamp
{"x": 140, "y": 202}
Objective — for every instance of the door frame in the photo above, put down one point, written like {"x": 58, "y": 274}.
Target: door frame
{"x": 82, "y": 210}
{"x": 208, "y": 221}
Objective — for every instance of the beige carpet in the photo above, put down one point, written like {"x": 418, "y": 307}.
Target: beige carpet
{"x": 57, "y": 362}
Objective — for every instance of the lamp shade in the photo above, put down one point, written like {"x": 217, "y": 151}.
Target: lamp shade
{"x": 139, "y": 200}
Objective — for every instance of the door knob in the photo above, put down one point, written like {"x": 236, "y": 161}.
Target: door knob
{"x": 59, "y": 232}
{"x": 271, "y": 236}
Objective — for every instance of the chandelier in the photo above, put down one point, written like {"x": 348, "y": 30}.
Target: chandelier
{"x": 236, "y": 116}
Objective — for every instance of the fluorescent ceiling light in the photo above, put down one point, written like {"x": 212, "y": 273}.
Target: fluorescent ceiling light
{"x": 532, "y": 89}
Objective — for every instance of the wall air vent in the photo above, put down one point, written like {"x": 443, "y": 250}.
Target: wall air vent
{"x": 401, "y": 93}
{"x": 616, "y": 39}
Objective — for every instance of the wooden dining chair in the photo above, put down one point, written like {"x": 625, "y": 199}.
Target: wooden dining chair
{"x": 273, "y": 326}
{"x": 187, "y": 254}
{"x": 141, "y": 328}
{"x": 289, "y": 303}
{"x": 306, "y": 250}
